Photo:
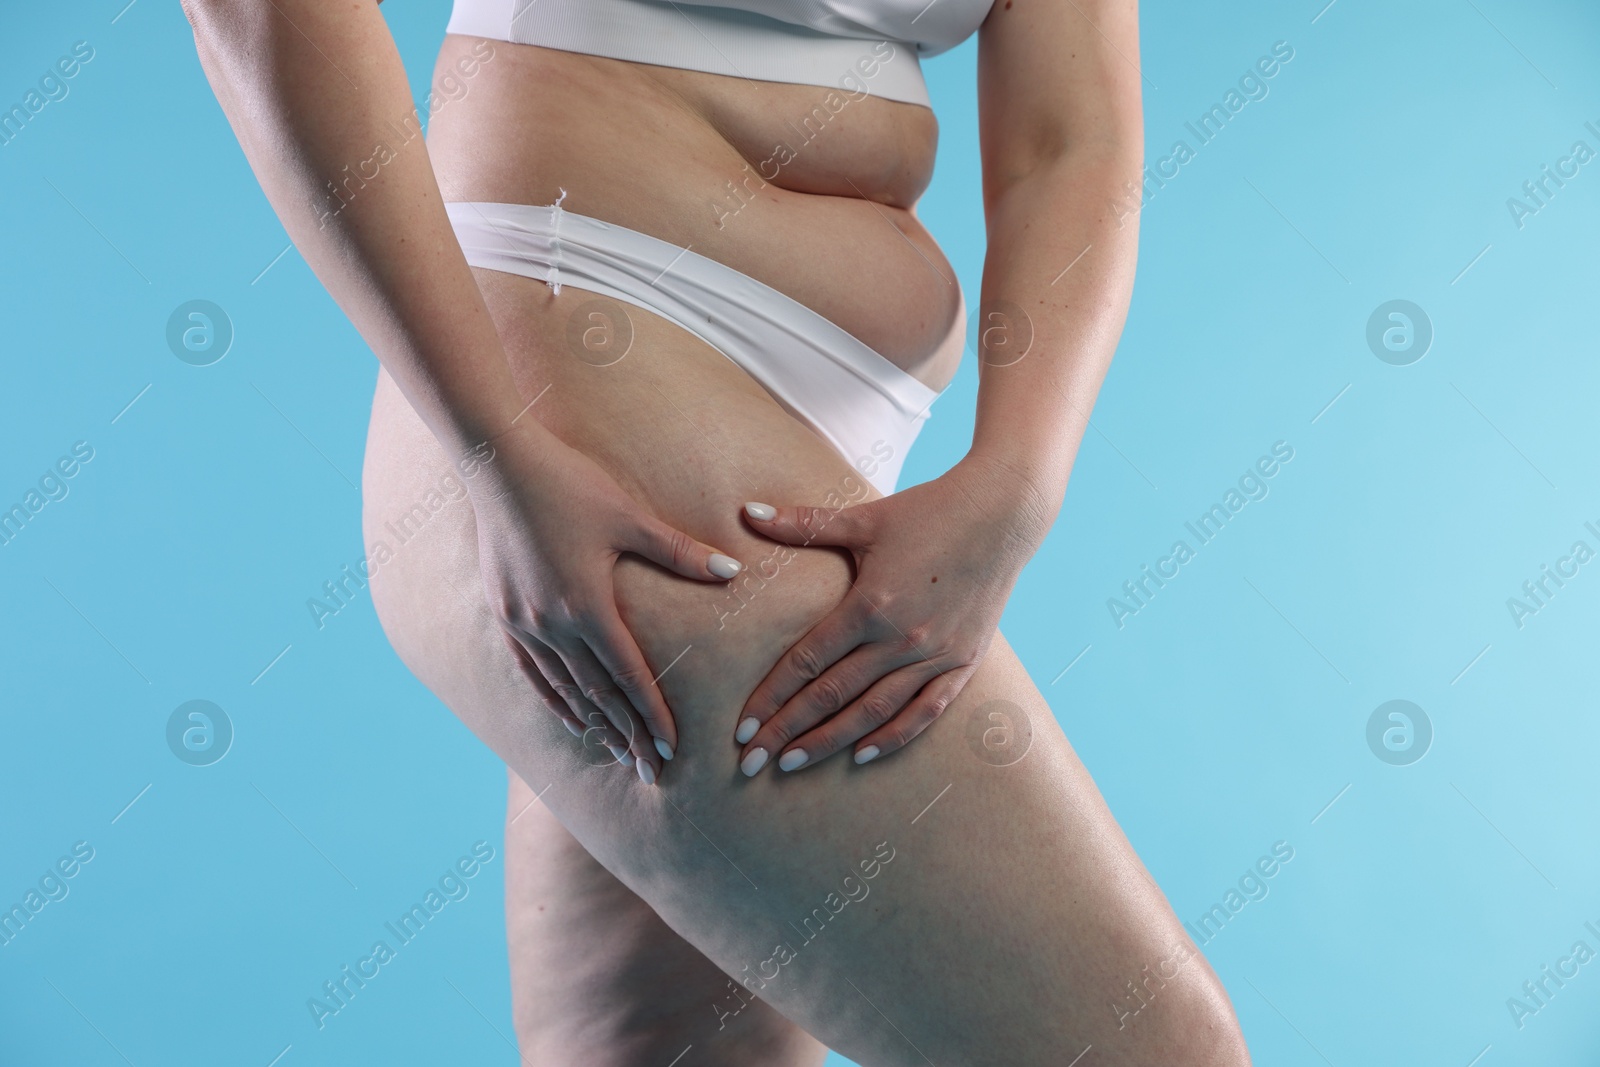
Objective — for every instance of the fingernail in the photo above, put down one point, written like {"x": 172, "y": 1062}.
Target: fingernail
{"x": 752, "y": 763}
{"x": 791, "y": 759}
{"x": 647, "y": 773}
{"x": 747, "y": 729}
{"x": 622, "y": 755}
{"x": 723, "y": 566}
{"x": 867, "y": 754}
{"x": 572, "y": 727}
{"x": 663, "y": 748}
{"x": 760, "y": 512}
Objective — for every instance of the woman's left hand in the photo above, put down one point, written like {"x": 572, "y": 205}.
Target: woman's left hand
{"x": 934, "y": 566}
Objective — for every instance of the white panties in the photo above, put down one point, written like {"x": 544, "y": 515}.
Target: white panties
{"x": 866, "y": 407}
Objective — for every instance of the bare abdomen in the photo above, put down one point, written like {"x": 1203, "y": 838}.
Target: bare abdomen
{"x": 681, "y": 155}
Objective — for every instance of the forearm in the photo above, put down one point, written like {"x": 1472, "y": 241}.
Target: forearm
{"x": 315, "y": 93}
{"x": 1063, "y": 241}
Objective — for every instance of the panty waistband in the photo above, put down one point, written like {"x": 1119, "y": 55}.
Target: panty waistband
{"x": 866, "y": 407}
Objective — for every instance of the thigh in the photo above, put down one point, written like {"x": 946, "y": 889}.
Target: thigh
{"x": 936, "y": 905}
{"x": 598, "y": 979}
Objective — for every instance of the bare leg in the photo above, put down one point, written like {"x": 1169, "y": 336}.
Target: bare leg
{"x": 1010, "y": 922}
{"x": 598, "y": 979}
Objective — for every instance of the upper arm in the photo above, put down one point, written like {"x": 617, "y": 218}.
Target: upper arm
{"x": 1054, "y": 76}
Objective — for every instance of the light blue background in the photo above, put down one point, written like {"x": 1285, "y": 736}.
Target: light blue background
{"x": 1224, "y": 717}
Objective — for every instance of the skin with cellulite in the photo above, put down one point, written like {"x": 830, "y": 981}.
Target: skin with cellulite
{"x": 939, "y": 905}
{"x": 1014, "y": 914}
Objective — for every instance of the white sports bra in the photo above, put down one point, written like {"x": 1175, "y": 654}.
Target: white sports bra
{"x": 857, "y": 46}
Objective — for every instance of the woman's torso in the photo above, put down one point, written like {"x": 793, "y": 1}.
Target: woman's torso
{"x": 807, "y": 188}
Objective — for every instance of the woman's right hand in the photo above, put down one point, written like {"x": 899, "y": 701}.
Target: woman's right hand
{"x": 551, "y": 524}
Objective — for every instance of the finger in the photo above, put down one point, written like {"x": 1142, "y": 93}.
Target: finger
{"x": 918, "y": 715}
{"x": 840, "y": 527}
{"x": 593, "y": 727}
{"x": 541, "y": 686}
{"x": 601, "y": 689}
{"x": 841, "y": 631}
{"x": 556, "y": 677}
{"x": 878, "y": 705}
{"x": 821, "y": 700}
{"x": 619, "y": 656}
{"x": 679, "y": 553}
{"x": 596, "y": 726}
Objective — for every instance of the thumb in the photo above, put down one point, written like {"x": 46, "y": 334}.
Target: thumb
{"x": 678, "y": 552}
{"x": 840, "y": 527}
